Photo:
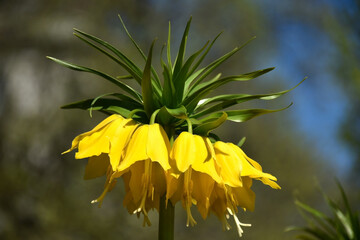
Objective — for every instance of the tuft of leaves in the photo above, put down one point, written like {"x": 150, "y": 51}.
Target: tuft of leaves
{"x": 343, "y": 224}
{"x": 179, "y": 98}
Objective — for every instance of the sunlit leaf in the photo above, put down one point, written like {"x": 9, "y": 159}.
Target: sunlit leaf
{"x": 111, "y": 79}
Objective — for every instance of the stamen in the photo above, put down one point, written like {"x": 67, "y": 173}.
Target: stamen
{"x": 238, "y": 223}
{"x": 101, "y": 198}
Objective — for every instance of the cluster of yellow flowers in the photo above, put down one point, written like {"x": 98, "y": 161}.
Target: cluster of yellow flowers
{"x": 216, "y": 177}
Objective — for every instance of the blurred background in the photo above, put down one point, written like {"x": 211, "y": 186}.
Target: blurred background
{"x": 315, "y": 141}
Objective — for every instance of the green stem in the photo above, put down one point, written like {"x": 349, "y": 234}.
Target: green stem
{"x": 166, "y": 220}
{"x": 167, "y": 210}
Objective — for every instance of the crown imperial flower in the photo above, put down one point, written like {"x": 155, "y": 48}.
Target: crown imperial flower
{"x": 160, "y": 141}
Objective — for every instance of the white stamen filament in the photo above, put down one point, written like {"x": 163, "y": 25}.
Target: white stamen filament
{"x": 238, "y": 223}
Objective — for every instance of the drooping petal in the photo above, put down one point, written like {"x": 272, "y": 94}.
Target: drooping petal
{"x": 105, "y": 122}
{"x": 204, "y": 161}
{"x": 229, "y": 164}
{"x": 244, "y": 196}
{"x": 96, "y": 143}
{"x": 249, "y": 169}
{"x": 136, "y": 148}
{"x": 119, "y": 140}
{"x": 202, "y": 188}
{"x": 183, "y": 152}
{"x": 174, "y": 187}
{"x": 96, "y": 166}
{"x": 158, "y": 146}
{"x": 147, "y": 142}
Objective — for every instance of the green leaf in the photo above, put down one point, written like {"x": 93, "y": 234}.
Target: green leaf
{"x": 211, "y": 67}
{"x": 157, "y": 80}
{"x": 213, "y": 137}
{"x": 205, "y": 128}
{"x": 197, "y": 64}
{"x": 169, "y": 88}
{"x": 242, "y": 115}
{"x": 203, "y": 89}
{"x": 179, "y": 112}
{"x": 125, "y": 77}
{"x": 111, "y": 79}
{"x": 106, "y": 104}
{"x": 168, "y": 48}
{"x": 126, "y": 100}
{"x": 181, "y": 54}
{"x": 241, "y": 142}
{"x": 233, "y": 99}
{"x": 124, "y": 61}
{"x": 180, "y": 79}
{"x": 146, "y": 86}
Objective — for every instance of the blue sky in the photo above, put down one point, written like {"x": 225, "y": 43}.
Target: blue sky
{"x": 305, "y": 50}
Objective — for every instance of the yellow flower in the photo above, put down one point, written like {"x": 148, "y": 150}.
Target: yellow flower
{"x": 120, "y": 147}
{"x": 237, "y": 172}
{"x": 215, "y": 177}
{"x": 194, "y": 173}
{"x": 145, "y": 160}
{"x": 109, "y": 137}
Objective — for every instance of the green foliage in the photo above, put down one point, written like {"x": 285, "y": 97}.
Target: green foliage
{"x": 342, "y": 225}
{"x": 181, "y": 95}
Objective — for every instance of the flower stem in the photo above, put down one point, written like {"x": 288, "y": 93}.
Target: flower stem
{"x": 166, "y": 220}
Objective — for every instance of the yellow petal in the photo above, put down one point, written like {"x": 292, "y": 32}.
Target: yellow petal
{"x": 183, "y": 152}
{"x": 119, "y": 140}
{"x": 244, "y": 196}
{"x": 202, "y": 189}
{"x": 98, "y": 142}
{"x": 96, "y": 166}
{"x": 136, "y": 148}
{"x": 106, "y": 121}
{"x": 247, "y": 168}
{"x": 158, "y": 179}
{"x": 174, "y": 187}
{"x": 270, "y": 183}
{"x": 229, "y": 164}
{"x": 136, "y": 183}
{"x": 158, "y": 146}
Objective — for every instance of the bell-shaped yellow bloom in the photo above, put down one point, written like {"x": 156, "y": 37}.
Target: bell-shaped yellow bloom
{"x": 121, "y": 147}
{"x": 237, "y": 172}
{"x": 194, "y": 173}
{"x": 104, "y": 145}
{"x": 109, "y": 137}
{"x": 145, "y": 160}
{"x": 235, "y": 164}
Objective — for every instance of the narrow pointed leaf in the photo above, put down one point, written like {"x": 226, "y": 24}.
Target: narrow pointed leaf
{"x": 205, "y": 128}
{"x": 111, "y": 79}
{"x": 126, "y": 61}
{"x": 197, "y": 64}
{"x": 146, "y": 85}
{"x": 182, "y": 48}
{"x": 203, "y": 89}
{"x": 125, "y": 77}
{"x": 168, "y": 48}
{"x": 216, "y": 63}
{"x": 105, "y": 104}
{"x": 180, "y": 78}
{"x": 233, "y": 99}
{"x": 242, "y": 115}
{"x": 125, "y": 100}
{"x": 241, "y": 142}
{"x": 179, "y": 112}
{"x": 157, "y": 80}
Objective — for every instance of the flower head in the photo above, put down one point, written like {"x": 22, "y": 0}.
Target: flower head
{"x": 194, "y": 173}
{"x": 119, "y": 146}
{"x": 132, "y": 144}
{"x": 215, "y": 177}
